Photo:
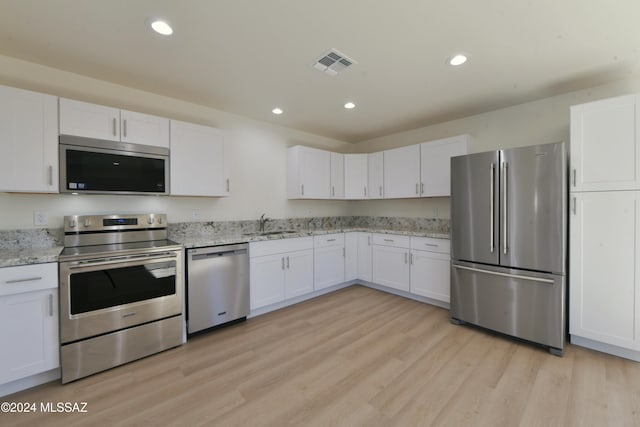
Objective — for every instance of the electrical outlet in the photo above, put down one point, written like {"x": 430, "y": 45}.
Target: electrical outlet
{"x": 195, "y": 214}
{"x": 40, "y": 218}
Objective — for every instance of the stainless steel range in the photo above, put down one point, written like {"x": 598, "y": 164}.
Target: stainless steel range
{"x": 121, "y": 291}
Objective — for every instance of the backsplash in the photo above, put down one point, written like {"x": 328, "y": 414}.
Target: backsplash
{"x": 43, "y": 238}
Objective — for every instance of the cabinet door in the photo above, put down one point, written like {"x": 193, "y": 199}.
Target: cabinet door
{"x": 391, "y": 267}
{"x": 351, "y": 256}
{"x": 364, "y": 257}
{"x": 337, "y": 176}
{"x": 435, "y": 164}
{"x": 603, "y": 297}
{"x": 376, "y": 175}
{"x": 355, "y": 176}
{"x": 298, "y": 273}
{"x": 430, "y": 275}
{"x": 28, "y": 141}
{"x": 29, "y": 334}
{"x": 308, "y": 173}
{"x": 198, "y": 164}
{"x": 328, "y": 266}
{"x": 402, "y": 172}
{"x": 604, "y": 150}
{"x": 89, "y": 120}
{"x": 138, "y": 128}
{"x": 267, "y": 280}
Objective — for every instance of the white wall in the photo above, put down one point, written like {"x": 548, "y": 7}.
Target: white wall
{"x": 258, "y": 158}
{"x": 537, "y": 122}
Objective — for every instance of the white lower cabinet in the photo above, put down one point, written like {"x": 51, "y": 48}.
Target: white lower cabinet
{"x": 279, "y": 270}
{"x": 351, "y": 256}
{"x": 604, "y": 287}
{"x": 390, "y": 257}
{"x": 28, "y": 320}
{"x": 430, "y": 268}
{"x": 329, "y": 260}
{"x": 364, "y": 256}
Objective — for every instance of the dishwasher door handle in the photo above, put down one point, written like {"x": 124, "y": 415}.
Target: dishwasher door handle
{"x": 218, "y": 254}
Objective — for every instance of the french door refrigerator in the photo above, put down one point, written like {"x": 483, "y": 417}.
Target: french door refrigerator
{"x": 508, "y": 237}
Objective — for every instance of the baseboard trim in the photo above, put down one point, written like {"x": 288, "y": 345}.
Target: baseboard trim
{"x": 29, "y": 382}
{"x": 606, "y": 348}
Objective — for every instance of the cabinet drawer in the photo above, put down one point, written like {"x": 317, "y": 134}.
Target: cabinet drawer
{"x": 27, "y": 278}
{"x": 431, "y": 245}
{"x": 279, "y": 246}
{"x": 394, "y": 240}
{"x": 336, "y": 239}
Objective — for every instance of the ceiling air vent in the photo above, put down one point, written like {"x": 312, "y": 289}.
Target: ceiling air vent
{"x": 332, "y": 62}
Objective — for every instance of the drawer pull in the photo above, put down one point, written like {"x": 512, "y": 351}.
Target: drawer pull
{"x": 389, "y": 240}
{"x": 28, "y": 279}
{"x": 331, "y": 240}
{"x": 431, "y": 245}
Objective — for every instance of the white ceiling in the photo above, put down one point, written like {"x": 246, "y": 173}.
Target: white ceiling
{"x": 247, "y": 56}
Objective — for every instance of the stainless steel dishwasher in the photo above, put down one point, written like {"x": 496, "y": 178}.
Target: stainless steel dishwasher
{"x": 217, "y": 286}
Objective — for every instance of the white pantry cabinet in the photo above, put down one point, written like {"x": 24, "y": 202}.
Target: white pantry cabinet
{"x": 198, "y": 161}
{"x": 375, "y": 174}
{"x": 402, "y": 172}
{"x": 390, "y": 258}
{"x": 355, "y": 176}
{"x": 28, "y": 141}
{"x": 279, "y": 270}
{"x": 364, "y": 256}
{"x": 605, "y": 267}
{"x": 308, "y": 173}
{"x": 337, "y": 176}
{"x": 329, "y": 260}
{"x": 605, "y": 154}
{"x": 351, "y": 256}
{"x": 112, "y": 124}
{"x": 28, "y": 320}
{"x": 430, "y": 268}
{"x": 435, "y": 164}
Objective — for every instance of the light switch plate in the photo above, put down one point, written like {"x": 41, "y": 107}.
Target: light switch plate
{"x": 40, "y": 218}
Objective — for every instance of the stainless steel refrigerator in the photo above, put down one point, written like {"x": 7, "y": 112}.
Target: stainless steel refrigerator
{"x": 508, "y": 237}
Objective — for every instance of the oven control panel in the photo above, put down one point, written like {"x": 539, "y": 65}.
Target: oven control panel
{"x": 97, "y": 223}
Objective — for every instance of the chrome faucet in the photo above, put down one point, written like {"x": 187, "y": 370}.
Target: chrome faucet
{"x": 262, "y": 221}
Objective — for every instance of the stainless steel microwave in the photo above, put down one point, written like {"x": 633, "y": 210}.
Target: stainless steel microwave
{"x": 110, "y": 167}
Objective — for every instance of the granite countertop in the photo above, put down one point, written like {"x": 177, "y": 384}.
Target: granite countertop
{"x": 195, "y": 240}
{"x": 30, "y": 255}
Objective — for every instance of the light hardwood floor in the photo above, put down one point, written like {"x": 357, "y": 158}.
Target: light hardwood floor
{"x": 356, "y": 357}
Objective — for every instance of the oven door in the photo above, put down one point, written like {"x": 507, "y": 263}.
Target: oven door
{"x": 110, "y": 294}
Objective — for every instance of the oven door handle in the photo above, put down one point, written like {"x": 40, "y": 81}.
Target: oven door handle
{"x": 168, "y": 256}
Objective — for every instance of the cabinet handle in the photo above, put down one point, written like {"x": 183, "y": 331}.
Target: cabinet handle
{"x": 124, "y": 122}
{"x": 406, "y": 255}
{"x": 431, "y": 245}
{"x": 282, "y": 263}
{"x": 381, "y": 191}
{"x": 575, "y": 202}
{"x": 388, "y": 240}
{"x": 114, "y": 126}
{"x": 422, "y": 188}
{"x": 331, "y": 240}
{"x": 344, "y": 254}
{"x": 411, "y": 259}
{"x": 365, "y": 191}
{"x": 288, "y": 265}
{"x": 417, "y": 192}
{"x": 302, "y": 188}
{"x": 50, "y": 174}
{"x": 28, "y": 279}
{"x": 368, "y": 240}
{"x": 51, "y": 305}
{"x": 333, "y": 190}
{"x": 574, "y": 177}
{"x": 227, "y": 185}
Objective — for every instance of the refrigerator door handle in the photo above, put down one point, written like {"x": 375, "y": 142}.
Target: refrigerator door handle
{"x": 513, "y": 276}
{"x": 505, "y": 209}
{"x": 492, "y": 214}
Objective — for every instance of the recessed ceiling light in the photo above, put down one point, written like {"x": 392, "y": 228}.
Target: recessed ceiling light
{"x": 349, "y": 105}
{"x": 277, "y": 111}
{"x": 162, "y": 27}
{"x": 458, "y": 59}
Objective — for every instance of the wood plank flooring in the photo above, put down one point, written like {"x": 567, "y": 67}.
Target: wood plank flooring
{"x": 356, "y": 357}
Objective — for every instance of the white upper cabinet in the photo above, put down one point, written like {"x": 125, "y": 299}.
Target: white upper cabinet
{"x": 112, "y": 124}
{"x": 198, "y": 161}
{"x": 402, "y": 172}
{"x": 435, "y": 164}
{"x": 308, "y": 173}
{"x": 337, "y": 176}
{"x": 355, "y": 176}
{"x": 376, "y": 175}
{"x": 604, "y": 151}
{"x": 28, "y": 141}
